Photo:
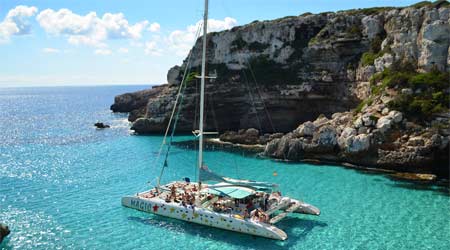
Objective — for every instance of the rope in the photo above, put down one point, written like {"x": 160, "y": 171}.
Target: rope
{"x": 260, "y": 96}
{"x": 252, "y": 100}
{"x": 179, "y": 94}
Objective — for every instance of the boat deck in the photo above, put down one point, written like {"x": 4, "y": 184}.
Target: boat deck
{"x": 189, "y": 195}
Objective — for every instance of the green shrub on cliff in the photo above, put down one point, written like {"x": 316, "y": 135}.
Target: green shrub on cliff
{"x": 420, "y": 95}
{"x": 368, "y": 11}
{"x": 368, "y": 58}
{"x": 421, "y": 4}
{"x": 429, "y": 92}
{"x": 361, "y": 105}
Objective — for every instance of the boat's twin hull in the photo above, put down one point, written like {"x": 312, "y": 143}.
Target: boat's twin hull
{"x": 203, "y": 216}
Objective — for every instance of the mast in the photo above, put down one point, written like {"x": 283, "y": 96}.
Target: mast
{"x": 202, "y": 91}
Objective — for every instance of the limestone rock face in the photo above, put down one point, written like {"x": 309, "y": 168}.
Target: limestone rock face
{"x": 293, "y": 69}
{"x": 435, "y": 40}
{"x": 300, "y": 76}
{"x": 133, "y": 101}
{"x": 383, "y": 62}
{"x": 174, "y": 74}
{"x": 373, "y": 26}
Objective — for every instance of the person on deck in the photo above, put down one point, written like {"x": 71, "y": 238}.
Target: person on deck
{"x": 173, "y": 193}
{"x": 266, "y": 202}
{"x": 246, "y": 214}
{"x": 249, "y": 205}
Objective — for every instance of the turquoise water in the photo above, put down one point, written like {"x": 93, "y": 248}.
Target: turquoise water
{"x": 61, "y": 182}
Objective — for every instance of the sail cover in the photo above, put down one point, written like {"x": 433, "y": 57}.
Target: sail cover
{"x": 207, "y": 175}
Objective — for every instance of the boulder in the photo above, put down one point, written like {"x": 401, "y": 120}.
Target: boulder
{"x": 101, "y": 125}
{"x": 276, "y": 135}
{"x": 320, "y": 121}
{"x": 4, "y": 231}
{"x": 174, "y": 75}
{"x": 358, "y": 143}
{"x": 384, "y": 124}
{"x": 363, "y": 130}
{"x": 367, "y": 120}
{"x": 343, "y": 138}
{"x": 252, "y": 132}
{"x": 325, "y": 137}
{"x": 358, "y": 123}
{"x": 306, "y": 129}
{"x": 272, "y": 147}
{"x": 396, "y": 116}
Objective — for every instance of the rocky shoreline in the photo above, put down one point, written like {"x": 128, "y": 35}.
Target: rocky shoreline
{"x": 258, "y": 151}
{"x": 367, "y": 87}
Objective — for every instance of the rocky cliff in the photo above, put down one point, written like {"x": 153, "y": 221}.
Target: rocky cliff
{"x": 275, "y": 75}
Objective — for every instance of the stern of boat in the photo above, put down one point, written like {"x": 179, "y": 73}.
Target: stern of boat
{"x": 306, "y": 208}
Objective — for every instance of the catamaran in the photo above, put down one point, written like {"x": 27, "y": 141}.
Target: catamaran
{"x": 244, "y": 206}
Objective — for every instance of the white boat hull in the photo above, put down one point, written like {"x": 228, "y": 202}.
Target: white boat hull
{"x": 306, "y": 208}
{"x": 204, "y": 217}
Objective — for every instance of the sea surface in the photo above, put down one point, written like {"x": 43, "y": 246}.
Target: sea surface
{"x": 61, "y": 181}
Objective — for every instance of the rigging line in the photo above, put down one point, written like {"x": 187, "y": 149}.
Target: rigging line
{"x": 213, "y": 112}
{"x": 173, "y": 110}
{"x": 252, "y": 100}
{"x": 228, "y": 11}
{"x": 260, "y": 96}
{"x": 173, "y": 132}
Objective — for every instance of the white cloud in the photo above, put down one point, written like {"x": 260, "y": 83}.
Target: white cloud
{"x": 123, "y": 50}
{"x": 218, "y": 25}
{"x": 151, "y": 48}
{"x": 181, "y": 41}
{"x": 89, "y": 29}
{"x": 16, "y": 22}
{"x": 103, "y": 52}
{"x": 50, "y": 50}
{"x": 154, "y": 27}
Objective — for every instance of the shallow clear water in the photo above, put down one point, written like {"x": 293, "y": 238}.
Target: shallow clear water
{"x": 61, "y": 181}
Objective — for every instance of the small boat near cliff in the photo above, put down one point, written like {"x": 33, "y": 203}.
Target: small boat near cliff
{"x": 244, "y": 206}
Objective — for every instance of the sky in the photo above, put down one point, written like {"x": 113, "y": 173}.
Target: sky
{"x": 107, "y": 42}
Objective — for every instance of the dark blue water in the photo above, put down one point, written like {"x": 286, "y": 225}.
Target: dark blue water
{"x": 61, "y": 181}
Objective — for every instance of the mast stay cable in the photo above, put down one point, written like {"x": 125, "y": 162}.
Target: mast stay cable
{"x": 177, "y": 104}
